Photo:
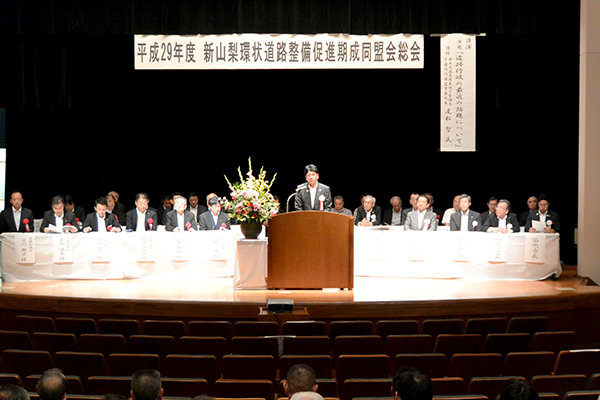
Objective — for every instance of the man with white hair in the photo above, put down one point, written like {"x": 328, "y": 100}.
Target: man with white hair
{"x": 368, "y": 214}
{"x": 180, "y": 219}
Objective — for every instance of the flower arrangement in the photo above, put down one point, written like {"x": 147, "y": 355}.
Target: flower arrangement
{"x": 251, "y": 201}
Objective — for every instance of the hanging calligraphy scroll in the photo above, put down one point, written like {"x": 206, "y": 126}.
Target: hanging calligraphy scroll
{"x": 457, "y": 69}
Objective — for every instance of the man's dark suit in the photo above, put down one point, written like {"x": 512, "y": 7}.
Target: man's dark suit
{"x": 205, "y": 221}
{"x": 131, "y": 220}
{"x": 119, "y": 211}
{"x": 387, "y": 216}
{"x": 50, "y": 218}
{"x": 201, "y": 209}
{"x": 550, "y": 215}
{"x": 456, "y": 221}
{"x": 7, "y": 220}
{"x": 188, "y": 217}
{"x": 92, "y": 221}
{"x": 511, "y": 218}
{"x": 162, "y": 212}
{"x": 302, "y": 201}
{"x": 362, "y": 214}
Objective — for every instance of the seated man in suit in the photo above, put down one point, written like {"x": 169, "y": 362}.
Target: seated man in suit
{"x": 423, "y": 219}
{"x": 338, "y": 206}
{"x": 213, "y": 219}
{"x": 503, "y": 220}
{"x": 466, "y": 219}
{"x": 550, "y": 218}
{"x": 491, "y": 203}
{"x": 180, "y": 219}
{"x": 115, "y": 208}
{"x": 59, "y": 217}
{"x": 313, "y": 195}
{"x": 394, "y": 215}
{"x": 141, "y": 218}
{"x": 532, "y": 205}
{"x": 75, "y": 209}
{"x": 194, "y": 206}
{"x": 368, "y": 214}
{"x": 100, "y": 220}
{"x": 16, "y": 218}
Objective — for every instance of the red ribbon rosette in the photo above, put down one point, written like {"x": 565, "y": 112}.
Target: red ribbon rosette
{"x": 150, "y": 221}
{"x": 109, "y": 228}
{"x": 26, "y": 222}
{"x": 188, "y": 226}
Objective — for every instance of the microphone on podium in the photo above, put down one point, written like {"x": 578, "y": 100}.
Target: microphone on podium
{"x": 298, "y": 189}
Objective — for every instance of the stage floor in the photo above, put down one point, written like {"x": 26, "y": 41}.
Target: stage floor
{"x": 367, "y": 289}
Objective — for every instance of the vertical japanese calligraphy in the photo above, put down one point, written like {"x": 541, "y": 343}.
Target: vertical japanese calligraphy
{"x": 264, "y": 51}
{"x": 457, "y": 92}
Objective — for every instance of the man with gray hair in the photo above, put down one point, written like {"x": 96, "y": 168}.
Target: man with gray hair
{"x": 368, "y": 214}
{"x": 52, "y": 385}
{"x": 146, "y": 385}
{"x": 13, "y": 392}
{"x": 465, "y": 220}
{"x": 395, "y": 215}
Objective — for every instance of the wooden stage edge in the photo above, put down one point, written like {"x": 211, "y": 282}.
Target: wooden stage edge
{"x": 572, "y": 302}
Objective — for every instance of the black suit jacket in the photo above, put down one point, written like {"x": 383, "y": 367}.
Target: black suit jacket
{"x": 50, "y": 218}
{"x": 7, "y": 220}
{"x": 512, "y": 218}
{"x": 92, "y": 221}
{"x": 456, "y": 221}
{"x": 171, "y": 220}
{"x": 362, "y": 214}
{"x": 387, "y": 216}
{"x": 551, "y": 215}
{"x": 132, "y": 216}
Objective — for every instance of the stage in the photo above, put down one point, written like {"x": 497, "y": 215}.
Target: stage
{"x": 572, "y": 302}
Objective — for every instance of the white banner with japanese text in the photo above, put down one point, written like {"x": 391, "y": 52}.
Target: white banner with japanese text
{"x": 457, "y": 69}
{"x": 280, "y": 51}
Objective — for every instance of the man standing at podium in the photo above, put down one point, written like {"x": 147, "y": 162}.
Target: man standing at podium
{"x": 313, "y": 195}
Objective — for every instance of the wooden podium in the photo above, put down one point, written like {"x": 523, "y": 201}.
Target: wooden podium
{"x": 311, "y": 250}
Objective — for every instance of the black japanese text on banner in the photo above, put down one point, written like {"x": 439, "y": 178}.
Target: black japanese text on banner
{"x": 262, "y": 51}
{"x": 457, "y": 69}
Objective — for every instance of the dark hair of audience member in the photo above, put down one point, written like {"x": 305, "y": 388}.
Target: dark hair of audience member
{"x": 300, "y": 378}
{"x": 13, "y": 392}
{"x": 410, "y": 384}
{"x": 146, "y": 384}
{"x": 515, "y": 389}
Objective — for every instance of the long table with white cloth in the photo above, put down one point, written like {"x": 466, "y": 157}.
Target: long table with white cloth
{"x": 383, "y": 252}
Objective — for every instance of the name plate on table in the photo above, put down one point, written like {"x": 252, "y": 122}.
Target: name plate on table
{"x": 62, "y": 248}
{"x": 219, "y": 247}
{"x": 145, "y": 249}
{"x": 417, "y": 248}
{"x": 180, "y": 246}
{"x": 381, "y": 245}
{"x": 535, "y": 248}
{"x": 99, "y": 247}
{"x": 461, "y": 249}
{"x": 499, "y": 248}
{"x": 25, "y": 249}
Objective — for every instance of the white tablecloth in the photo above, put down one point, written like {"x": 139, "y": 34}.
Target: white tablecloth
{"x": 209, "y": 254}
{"x": 184, "y": 255}
{"x": 444, "y": 254}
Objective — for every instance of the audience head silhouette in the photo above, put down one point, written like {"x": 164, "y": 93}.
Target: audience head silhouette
{"x": 146, "y": 385}
{"x": 52, "y": 385}
{"x": 410, "y": 384}
{"x": 300, "y": 378}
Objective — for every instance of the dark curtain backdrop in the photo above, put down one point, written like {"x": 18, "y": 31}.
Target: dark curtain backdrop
{"x": 81, "y": 120}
